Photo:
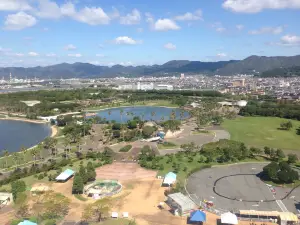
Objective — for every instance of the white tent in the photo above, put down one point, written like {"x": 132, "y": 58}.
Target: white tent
{"x": 229, "y": 218}
{"x": 125, "y": 214}
{"x": 114, "y": 215}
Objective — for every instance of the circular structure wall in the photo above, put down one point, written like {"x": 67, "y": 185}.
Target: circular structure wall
{"x": 102, "y": 189}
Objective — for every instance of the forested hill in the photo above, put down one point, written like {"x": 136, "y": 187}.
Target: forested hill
{"x": 282, "y": 72}
{"x": 86, "y": 70}
{"x": 250, "y": 65}
{"x": 260, "y": 64}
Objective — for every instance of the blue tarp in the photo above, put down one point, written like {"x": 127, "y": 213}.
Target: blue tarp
{"x": 198, "y": 216}
{"x": 171, "y": 175}
{"x": 27, "y": 222}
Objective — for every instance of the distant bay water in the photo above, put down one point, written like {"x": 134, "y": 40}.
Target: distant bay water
{"x": 15, "y": 134}
{"x": 144, "y": 112}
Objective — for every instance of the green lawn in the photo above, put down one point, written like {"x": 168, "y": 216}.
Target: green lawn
{"x": 167, "y": 145}
{"x": 263, "y": 131}
{"x": 165, "y": 103}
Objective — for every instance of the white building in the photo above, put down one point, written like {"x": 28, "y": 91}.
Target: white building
{"x": 164, "y": 87}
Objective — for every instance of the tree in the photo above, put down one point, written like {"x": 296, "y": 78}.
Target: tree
{"x": 298, "y": 131}
{"x": 77, "y": 184}
{"x": 15, "y": 157}
{"x": 5, "y": 154}
{"x": 189, "y": 147}
{"x": 17, "y": 187}
{"x": 82, "y": 172}
{"x": 34, "y": 153}
{"x": 90, "y": 172}
{"x": 271, "y": 170}
{"x": 24, "y": 151}
{"x": 280, "y": 155}
{"x": 286, "y": 125}
{"x": 132, "y": 124}
{"x": 292, "y": 158}
{"x": 147, "y": 131}
{"x": 267, "y": 151}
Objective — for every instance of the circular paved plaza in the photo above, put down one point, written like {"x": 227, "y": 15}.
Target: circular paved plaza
{"x": 238, "y": 187}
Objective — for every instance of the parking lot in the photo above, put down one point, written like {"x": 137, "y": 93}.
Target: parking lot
{"x": 237, "y": 187}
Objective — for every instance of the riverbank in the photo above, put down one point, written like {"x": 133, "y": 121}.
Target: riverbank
{"x": 24, "y": 120}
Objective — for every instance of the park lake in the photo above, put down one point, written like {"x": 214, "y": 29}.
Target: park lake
{"x": 154, "y": 113}
{"x": 17, "y": 134}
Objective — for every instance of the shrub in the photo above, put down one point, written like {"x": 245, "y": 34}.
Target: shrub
{"x": 126, "y": 148}
{"x": 41, "y": 176}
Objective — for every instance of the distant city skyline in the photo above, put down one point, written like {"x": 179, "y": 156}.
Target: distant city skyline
{"x": 108, "y": 32}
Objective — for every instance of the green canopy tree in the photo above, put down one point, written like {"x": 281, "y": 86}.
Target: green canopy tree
{"x": 77, "y": 184}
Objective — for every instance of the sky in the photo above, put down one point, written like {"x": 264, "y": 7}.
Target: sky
{"x": 144, "y": 32}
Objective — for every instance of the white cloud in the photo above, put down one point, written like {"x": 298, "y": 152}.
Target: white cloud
{"x": 51, "y": 55}
{"x": 114, "y": 14}
{"x": 165, "y": 25}
{"x": 170, "y": 46}
{"x": 76, "y": 55}
{"x": 124, "y": 40}
{"x": 149, "y": 18}
{"x": 48, "y": 9}
{"x": 290, "y": 40}
{"x": 19, "y": 54}
{"x": 221, "y": 55}
{"x": 92, "y": 16}
{"x": 19, "y": 21}
{"x": 70, "y": 47}
{"x": 14, "y": 5}
{"x": 131, "y": 18}
{"x": 255, "y": 6}
{"x": 190, "y": 16}
{"x": 100, "y": 55}
{"x": 267, "y": 30}
{"x": 240, "y": 27}
{"x": 68, "y": 9}
{"x": 218, "y": 27}
{"x": 33, "y": 54}
{"x": 140, "y": 30}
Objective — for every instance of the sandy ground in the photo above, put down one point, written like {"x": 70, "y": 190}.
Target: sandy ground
{"x": 124, "y": 171}
{"x": 54, "y": 131}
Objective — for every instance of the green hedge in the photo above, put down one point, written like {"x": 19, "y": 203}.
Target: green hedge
{"x": 126, "y": 148}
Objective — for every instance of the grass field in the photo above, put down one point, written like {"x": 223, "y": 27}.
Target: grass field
{"x": 263, "y": 131}
{"x": 167, "y": 145}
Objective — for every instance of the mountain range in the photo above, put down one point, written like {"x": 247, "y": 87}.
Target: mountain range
{"x": 250, "y": 65}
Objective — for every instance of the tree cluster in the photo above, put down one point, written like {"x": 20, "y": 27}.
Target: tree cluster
{"x": 280, "y": 172}
{"x": 85, "y": 175}
{"x": 272, "y": 109}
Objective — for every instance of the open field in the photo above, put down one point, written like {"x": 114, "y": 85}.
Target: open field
{"x": 165, "y": 103}
{"x": 123, "y": 171}
{"x": 263, "y": 131}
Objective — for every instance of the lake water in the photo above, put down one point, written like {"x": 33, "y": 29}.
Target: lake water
{"x": 144, "y": 112}
{"x": 15, "y": 134}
